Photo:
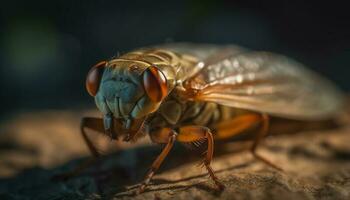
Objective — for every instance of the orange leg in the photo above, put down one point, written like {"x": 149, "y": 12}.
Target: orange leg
{"x": 241, "y": 123}
{"x": 167, "y": 136}
{"x": 265, "y": 122}
{"x": 195, "y": 133}
{"x": 235, "y": 126}
{"x": 186, "y": 134}
{"x": 94, "y": 124}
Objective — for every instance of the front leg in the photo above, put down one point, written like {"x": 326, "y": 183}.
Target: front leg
{"x": 95, "y": 124}
{"x": 164, "y": 135}
{"x": 185, "y": 134}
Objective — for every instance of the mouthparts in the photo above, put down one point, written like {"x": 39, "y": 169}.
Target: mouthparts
{"x": 129, "y": 127}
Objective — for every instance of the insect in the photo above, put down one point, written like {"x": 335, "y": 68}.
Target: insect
{"x": 199, "y": 93}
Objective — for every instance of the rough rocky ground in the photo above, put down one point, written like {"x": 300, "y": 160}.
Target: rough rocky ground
{"x": 36, "y": 146}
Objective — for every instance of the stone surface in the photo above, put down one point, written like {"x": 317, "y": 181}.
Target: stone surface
{"x": 36, "y": 146}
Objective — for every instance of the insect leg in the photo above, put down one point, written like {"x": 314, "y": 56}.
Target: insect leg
{"x": 194, "y": 133}
{"x": 241, "y": 123}
{"x": 265, "y": 122}
{"x": 94, "y": 124}
{"x": 235, "y": 126}
{"x": 165, "y": 135}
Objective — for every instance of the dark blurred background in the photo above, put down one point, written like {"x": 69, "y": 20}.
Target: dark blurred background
{"x": 47, "y": 47}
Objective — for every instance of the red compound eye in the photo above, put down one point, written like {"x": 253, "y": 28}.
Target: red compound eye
{"x": 93, "y": 78}
{"x": 155, "y": 84}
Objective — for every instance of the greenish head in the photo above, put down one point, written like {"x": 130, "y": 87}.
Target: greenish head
{"x": 124, "y": 92}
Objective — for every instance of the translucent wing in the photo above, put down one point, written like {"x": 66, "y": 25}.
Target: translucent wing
{"x": 264, "y": 82}
{"x": 202, "y": 53}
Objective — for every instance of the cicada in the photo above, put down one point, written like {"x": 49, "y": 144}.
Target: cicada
{"x": 199, "y": 93}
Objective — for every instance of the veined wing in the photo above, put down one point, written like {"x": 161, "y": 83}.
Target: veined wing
{"x": 201, "y": 53}
{"x": 265, "y": 82}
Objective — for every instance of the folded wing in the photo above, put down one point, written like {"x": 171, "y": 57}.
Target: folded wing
{"x": 264, "y": 82}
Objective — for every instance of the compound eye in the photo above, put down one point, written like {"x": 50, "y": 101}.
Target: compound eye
{"x": 155, "y": 84}
{"x": 93, "y": 78}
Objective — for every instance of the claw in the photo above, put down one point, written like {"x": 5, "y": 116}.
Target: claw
{"x": 140, "y": 190}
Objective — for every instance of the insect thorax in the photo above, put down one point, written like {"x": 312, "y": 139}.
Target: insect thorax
{"x": 175, "y": 112}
